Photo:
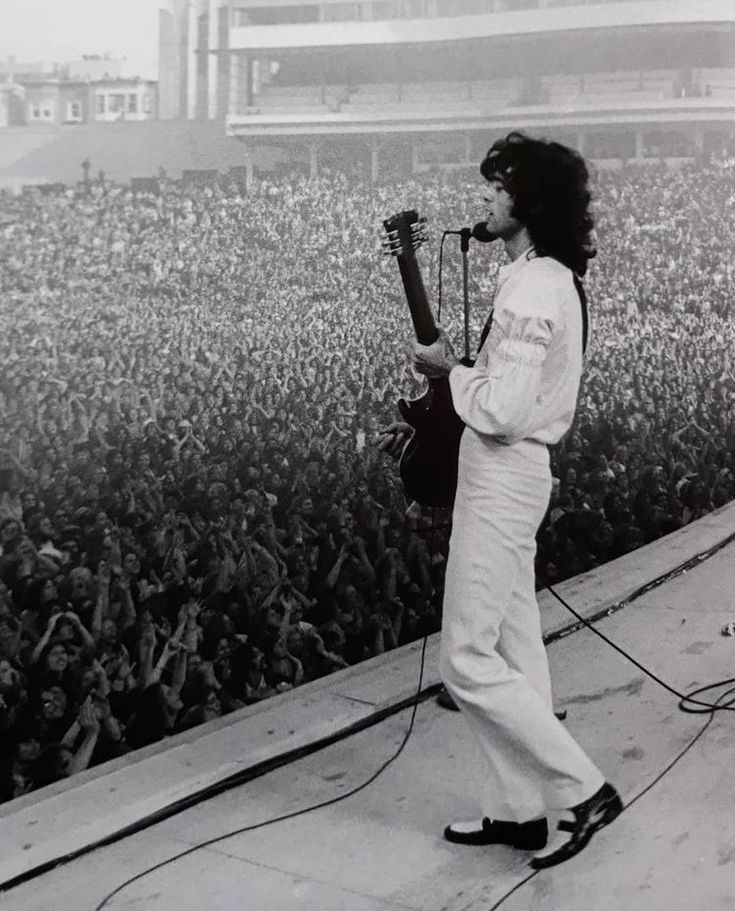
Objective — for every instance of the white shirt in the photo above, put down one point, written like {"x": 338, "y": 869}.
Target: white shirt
{"x": 526, "y": 377}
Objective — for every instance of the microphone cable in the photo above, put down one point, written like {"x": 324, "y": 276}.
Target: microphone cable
{"x": 687, "y": 701}
{"x": 444, "y": 236}
{"x": 286, "y": 816}
{"x": 310, "y": 809}
{"x": 662, "y": 774}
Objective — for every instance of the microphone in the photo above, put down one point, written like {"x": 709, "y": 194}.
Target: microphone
{"x": 480, "y": 233}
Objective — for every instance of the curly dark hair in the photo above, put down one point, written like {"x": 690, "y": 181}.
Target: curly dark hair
{"x": 551, "y": 196}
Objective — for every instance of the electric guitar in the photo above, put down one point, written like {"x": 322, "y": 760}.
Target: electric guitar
{"x": 428, "y": 465}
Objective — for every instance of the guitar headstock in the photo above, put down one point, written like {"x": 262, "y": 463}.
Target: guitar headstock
{"x": 405, "y": 232}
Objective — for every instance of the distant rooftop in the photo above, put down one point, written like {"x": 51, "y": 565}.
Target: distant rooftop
{"x": 87, "y": 68}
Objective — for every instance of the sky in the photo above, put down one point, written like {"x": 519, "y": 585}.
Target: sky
{"x": 54, "y": 31}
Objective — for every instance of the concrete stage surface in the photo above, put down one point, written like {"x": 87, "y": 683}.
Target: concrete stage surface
{"x": 381, "y": 849}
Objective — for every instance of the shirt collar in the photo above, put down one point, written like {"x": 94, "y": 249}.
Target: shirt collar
{"x": 505, "y": 271}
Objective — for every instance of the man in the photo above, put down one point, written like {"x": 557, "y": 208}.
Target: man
{"x": 516, "y": 400}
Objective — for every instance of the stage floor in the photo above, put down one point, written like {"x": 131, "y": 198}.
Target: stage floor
{"x": 673, "y": 849}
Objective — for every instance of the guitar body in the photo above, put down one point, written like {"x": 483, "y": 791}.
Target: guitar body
{"x": 428, "y": 466}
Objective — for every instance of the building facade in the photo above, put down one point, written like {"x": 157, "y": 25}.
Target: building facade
{"x": 193, "y": 76}
{"x": 89, "y": 90}
{"x": 123, "y": 99}
{"x": 12, "y": 96}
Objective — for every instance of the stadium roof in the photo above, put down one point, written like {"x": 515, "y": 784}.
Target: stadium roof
{"x": 651, "y": 13}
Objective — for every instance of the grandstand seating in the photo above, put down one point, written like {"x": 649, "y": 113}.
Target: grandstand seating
{"x": 455, "y": 88}
{"x": 381, "y": 97}
{"x": 721, "y": 82}
{"x": 618, "y": 98}
{"x": 658, "y": 80}
{"x": 290, "y": 96}
{"x": 498, "y": 92}
{"x": 608, "y": 89}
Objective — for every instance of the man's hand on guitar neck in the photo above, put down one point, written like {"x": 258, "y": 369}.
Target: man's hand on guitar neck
{"x": 435, "y": 360}
{"x": 393, "y": 438}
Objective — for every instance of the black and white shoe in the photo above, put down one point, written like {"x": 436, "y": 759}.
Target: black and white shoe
{"x": 590, "y": 816}
{"x": 526, "y": 836}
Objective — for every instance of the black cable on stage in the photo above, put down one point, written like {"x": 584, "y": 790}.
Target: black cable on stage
{"x": 318, "y": 806}
{"x": 237, "y": 779}
{"x": 285, "y": 816}
{"x": 684, "y": 700}
{"x": 680, "y": 755}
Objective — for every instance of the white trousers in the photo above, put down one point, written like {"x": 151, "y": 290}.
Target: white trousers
{"x": 493, "y": 660}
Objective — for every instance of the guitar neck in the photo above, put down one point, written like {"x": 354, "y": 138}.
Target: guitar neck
{"x": 423, "y": 320}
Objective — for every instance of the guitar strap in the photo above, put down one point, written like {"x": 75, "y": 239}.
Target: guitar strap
{"x": 585, "y": 313}
{"x": 486, "y": 330}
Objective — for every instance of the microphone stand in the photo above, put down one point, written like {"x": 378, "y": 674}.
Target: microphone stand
{"x": 465, "y": 235}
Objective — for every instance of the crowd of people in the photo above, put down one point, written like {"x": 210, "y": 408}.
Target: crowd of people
{"x": 193, "y": 512}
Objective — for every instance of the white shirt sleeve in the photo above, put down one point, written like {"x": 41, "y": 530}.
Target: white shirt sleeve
{"x": 499, "y": 398}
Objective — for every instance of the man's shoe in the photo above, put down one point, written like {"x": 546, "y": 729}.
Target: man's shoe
{"x": 527, "y": 836}
{"x": 590, "y": 816}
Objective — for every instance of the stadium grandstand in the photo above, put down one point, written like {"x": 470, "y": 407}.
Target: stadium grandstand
{"x": 412, "y": 84}
{"x": 393, "y": 87}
